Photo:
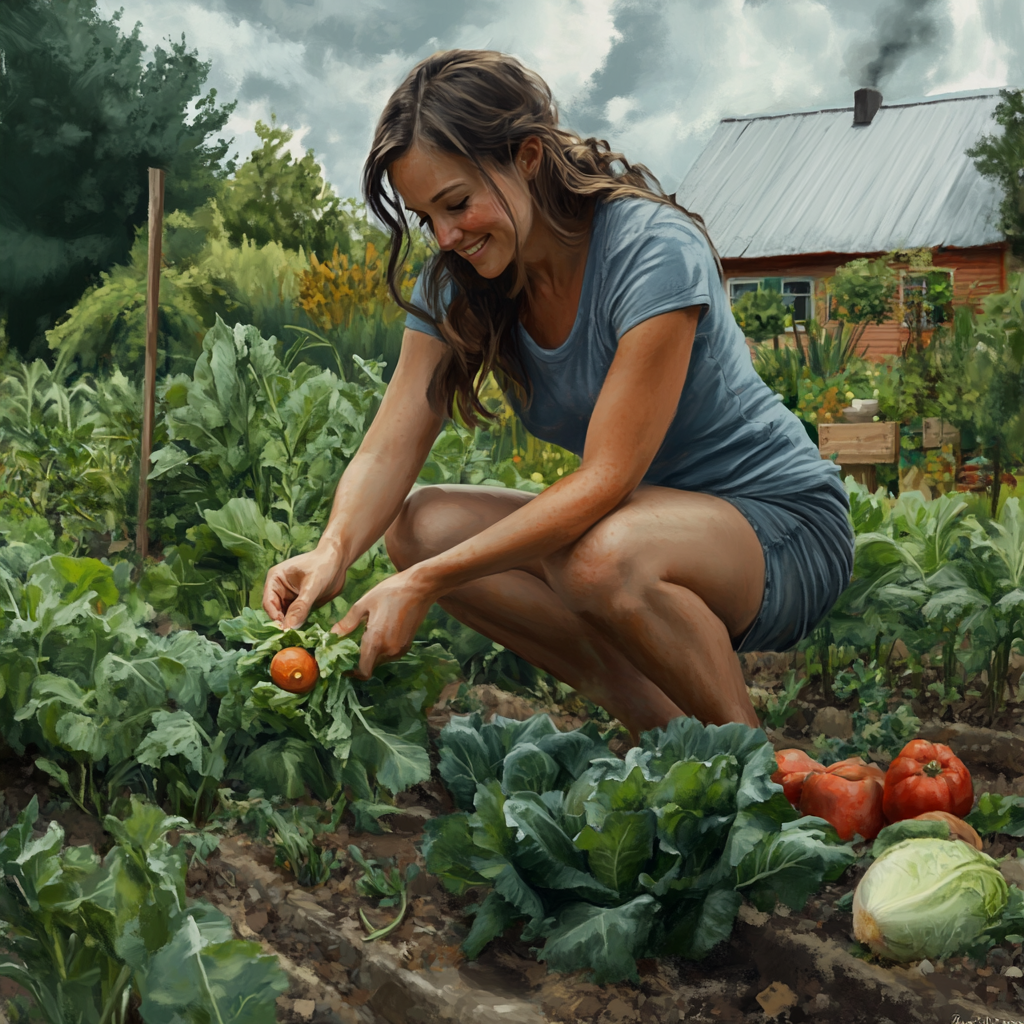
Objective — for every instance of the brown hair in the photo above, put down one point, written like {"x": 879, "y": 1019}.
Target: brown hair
{"x": 481, "y": 105}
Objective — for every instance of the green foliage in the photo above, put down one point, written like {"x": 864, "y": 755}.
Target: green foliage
{"x": 295, "y": 847}
{"x": 608, "y": 860}
{"x": 311, "y": 739}
{"x": 83, "y": 120}
{"x": 256, "y": 450}
{"x": 65, "y": 450}
{"x": 877, "y": 731}
{"x": 863, "y": 291}
{"x": 998, "y": 813}
{"x": 88, "y": 933}
{"x": 1001, "y": 158}
{"x": 937, "y": 578}
{"x": 276, "y": 198}
{"x": 761, "y": 314}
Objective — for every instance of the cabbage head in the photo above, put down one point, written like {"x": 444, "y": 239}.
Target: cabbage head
{"x": 927, "y": 898}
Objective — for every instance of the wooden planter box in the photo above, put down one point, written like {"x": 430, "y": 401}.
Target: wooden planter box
{"x": 858, "y": 447}
{"x": 935, "y": 433}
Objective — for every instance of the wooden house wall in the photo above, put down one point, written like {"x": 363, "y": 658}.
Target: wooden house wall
{"x": 977, "y": 272}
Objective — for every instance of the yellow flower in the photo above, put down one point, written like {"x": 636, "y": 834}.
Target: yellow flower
{"x": 537, "y": 478}
{"x": 849, "y": 394}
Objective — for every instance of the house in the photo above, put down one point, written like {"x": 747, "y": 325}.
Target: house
{"x": 789, "y": 198}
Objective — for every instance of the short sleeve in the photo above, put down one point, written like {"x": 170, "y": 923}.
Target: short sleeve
{"x": 415, "y": 323}
{"x": 657, "y": 261}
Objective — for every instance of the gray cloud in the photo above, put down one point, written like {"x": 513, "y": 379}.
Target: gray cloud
{"x": 652, "y": 76}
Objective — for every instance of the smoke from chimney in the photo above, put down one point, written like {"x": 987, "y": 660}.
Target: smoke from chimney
{"x": 908, "y": 25}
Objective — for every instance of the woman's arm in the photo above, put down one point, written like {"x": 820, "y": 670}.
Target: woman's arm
{"x": 380, "y": 475}
{"x": 634, "y": 410}
{"x": 371, "y": 490}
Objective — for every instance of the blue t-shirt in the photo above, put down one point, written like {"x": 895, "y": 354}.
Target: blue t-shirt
{"x": 731, "y": 434}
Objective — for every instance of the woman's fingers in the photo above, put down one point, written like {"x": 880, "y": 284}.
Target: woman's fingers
{"x": 300, "y": 608}
{"x": 276, "y": 594}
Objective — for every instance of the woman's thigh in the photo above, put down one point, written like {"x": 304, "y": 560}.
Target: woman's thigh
{"x": 662, "y": 534}
{"x": 692, "y": 539}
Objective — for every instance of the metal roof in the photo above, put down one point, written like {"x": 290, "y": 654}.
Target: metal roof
{"x": 812, "y": 182}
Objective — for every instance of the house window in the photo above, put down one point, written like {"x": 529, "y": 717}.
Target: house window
{"x": 740, "y": 286}
{"x": 797, "y": 292}
{"x": 925, "y": 295}
{"x": 798, "y": 295}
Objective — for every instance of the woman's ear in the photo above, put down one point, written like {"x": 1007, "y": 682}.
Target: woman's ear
{"x": 531, "y": 150}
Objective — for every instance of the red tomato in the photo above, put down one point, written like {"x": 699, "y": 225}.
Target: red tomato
{"x": 294, "y": 669}
{"x": 794, "y": 767}
{"x": 927, "y": 777}
{"x": 848, "y": 795}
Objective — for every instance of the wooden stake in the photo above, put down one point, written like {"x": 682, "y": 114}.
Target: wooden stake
{"x": 156, "y": 226}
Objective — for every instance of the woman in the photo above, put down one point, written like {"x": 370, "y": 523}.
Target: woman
{"x": 702, "y": 520}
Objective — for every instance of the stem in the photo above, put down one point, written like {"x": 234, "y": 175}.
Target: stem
{"x": 115, "y": 993}
{"x": 390, "y": 926}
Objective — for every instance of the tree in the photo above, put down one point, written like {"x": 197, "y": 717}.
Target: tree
{"x": 275, "y": 198}
{"x": 761, "y": 314}
{"x": 81, "y": 119}
{"x": 1001, "y": 158}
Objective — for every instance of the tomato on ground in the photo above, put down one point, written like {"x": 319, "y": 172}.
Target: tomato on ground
{"x": 927, "y": 777}
{"x": 848, "y": 795}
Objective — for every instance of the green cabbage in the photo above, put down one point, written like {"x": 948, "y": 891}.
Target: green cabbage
{"x": 927, "y": 898}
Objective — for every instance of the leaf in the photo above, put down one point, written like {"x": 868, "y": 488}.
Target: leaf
{"x": 792, "y": 864}
{"x": 527, "y": 767}
{"x": 908, "y": 829}
{"x": 193, "y": 981}
{"x": 607, "y": 940}
{"x": 703, "y": 925}
{"x": 998, "y": 813}
{"x": 619, "y": 852}
{"x": 490, "y": 920}
{"x": 284, "y": 767}
{"x": 397, "y": 761}
{"x": 175, "y": 732}
{"x": 448, "y": 848}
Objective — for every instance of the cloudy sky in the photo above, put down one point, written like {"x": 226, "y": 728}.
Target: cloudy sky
{"x": 651, "y": 76}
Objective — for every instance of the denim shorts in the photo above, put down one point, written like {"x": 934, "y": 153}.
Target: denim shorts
{"x": 807, "y": 539}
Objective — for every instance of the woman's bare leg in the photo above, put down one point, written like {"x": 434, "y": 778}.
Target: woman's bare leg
{"x": 671, "y": 576}
{"x": 637, "y": 614}
{"x": 520, "y": 611}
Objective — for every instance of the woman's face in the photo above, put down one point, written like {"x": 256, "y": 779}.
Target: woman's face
{"x": 452, "y": 198}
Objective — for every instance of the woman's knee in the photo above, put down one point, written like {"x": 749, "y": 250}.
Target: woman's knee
{"x": 436, "y": 517}
{"x": 601, "y": 574}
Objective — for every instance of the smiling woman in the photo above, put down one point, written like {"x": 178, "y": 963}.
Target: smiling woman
{"x": 701, "y": 520}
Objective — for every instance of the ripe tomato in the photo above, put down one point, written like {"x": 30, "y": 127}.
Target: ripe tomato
{"x": 927, "y": 777}
{"x": 794, "y": 767}
{"x": 295, "y": 670}
{"x": 848, "y": 795}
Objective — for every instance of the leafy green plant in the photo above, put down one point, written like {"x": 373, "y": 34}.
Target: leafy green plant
{"x": 608, "y": 860}
{"x": 385, "y": 883}
{"x": 781, "y": 707}
{"x": 875, "y": 727}
{"x": 86, "y": 933}
{"x": 761, "y": 315}
{"x": 375, "y": 727}
{"x": 294, "y": 846}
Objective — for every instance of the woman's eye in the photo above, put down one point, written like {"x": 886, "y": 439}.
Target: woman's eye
{"x": 460, "y": 206}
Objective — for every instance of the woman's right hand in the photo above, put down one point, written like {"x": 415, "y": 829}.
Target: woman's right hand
{"x": 301, "y": 583}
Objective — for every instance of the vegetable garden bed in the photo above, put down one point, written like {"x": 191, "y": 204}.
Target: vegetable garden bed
{"x": 788, "y": 965}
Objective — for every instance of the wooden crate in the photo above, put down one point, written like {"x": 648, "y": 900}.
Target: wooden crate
{"x": 859, "y": 443}
{"x": 858, "y": 447}
{"x": 935, "y": 433}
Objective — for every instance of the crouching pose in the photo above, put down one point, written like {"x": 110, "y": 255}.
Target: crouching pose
{"x": 702, "y": 520}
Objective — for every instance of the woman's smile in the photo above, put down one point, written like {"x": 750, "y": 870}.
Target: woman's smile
{"x": 475, "y": 248}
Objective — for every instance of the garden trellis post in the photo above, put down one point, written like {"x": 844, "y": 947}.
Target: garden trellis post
{"x": 156, "y": 223}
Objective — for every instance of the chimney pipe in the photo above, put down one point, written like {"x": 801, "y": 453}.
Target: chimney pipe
{"x": 865, "y": 105}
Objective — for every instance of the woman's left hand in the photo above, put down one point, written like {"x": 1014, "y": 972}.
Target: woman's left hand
{"x": 393, "y": 611}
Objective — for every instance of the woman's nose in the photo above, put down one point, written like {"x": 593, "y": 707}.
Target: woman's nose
{"x": 446, "y": 233}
